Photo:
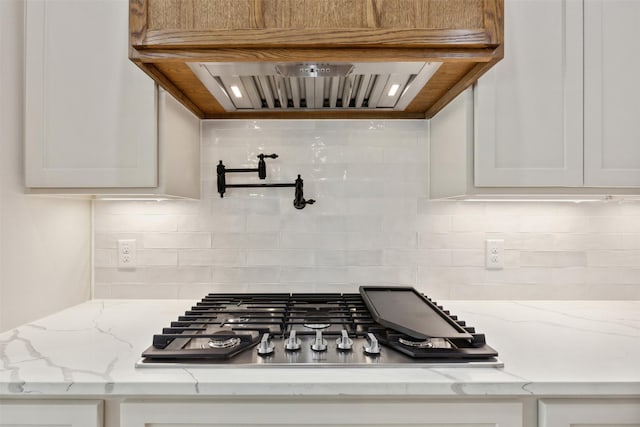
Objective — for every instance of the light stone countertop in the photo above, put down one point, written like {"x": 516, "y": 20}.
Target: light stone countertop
{"x": 549, "y": 348}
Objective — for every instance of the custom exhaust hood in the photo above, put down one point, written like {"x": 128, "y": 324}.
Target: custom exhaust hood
{"x": 288, "y": 59}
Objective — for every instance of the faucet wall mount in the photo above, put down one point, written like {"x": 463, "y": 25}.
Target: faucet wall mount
{"x": 299, "y": 201}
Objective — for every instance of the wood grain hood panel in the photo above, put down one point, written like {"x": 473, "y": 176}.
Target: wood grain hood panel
{"x": 170, "y": 39}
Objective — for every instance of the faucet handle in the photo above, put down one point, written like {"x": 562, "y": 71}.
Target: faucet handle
{"x": 262, "y": 166}
{"x": 262, "y": 156}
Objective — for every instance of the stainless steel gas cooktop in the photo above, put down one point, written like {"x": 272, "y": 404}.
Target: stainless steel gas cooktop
{"x": 380, "y": 326}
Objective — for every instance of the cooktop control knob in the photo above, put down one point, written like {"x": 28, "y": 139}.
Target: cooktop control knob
{"x": 372, "y": 347}
{"x": 265, "y": 347}
{"x": 319, "y": 344}
{"x": 344, "y": 342}
{"x": 292, "y": 343}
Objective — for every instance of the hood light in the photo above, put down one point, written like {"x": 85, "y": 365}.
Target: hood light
{"x": 393, "y": 90}
{"x": 236, "y": 91}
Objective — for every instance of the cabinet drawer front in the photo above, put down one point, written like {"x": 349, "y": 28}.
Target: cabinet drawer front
{"x": 53, "y": 413}
{"x": 589, "y": 412}
{"x": 321, "y": 413}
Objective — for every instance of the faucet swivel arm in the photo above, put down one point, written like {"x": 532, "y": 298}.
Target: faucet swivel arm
{"x": 298, "y": 201}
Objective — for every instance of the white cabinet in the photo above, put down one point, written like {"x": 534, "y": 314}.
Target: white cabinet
{"x": 611, "y": 109}
{"x": 92, "y": 121}
{"x": 90, "y": 112}
{"x": 591, "y": 412}
{"x": 528, "y": 108}
{"x": 559, "y": 114}
{"x": 320, "y": 412}
{"x": 51, "y": 413}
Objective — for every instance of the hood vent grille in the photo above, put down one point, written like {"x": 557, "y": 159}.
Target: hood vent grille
{"x": 278, "y": 87}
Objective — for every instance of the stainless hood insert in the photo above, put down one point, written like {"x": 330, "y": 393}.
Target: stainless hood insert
{"x": 265, "y": 86}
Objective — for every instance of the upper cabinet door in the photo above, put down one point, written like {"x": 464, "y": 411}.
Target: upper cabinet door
{"x": 90, "y": 112}
{"x": 612, "y": 93}
{"x": 528, "y": 108}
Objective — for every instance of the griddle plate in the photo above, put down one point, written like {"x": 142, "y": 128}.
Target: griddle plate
{"x": 406, "y": 310}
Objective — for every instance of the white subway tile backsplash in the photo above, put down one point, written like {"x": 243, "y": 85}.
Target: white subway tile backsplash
{"x": 135, "y": 223}
{"x": 246, "y": 201}
{"x": 553, "y": 259}
{"x": 212, "y": 257}
{"x": 364, "y": 258}
{"x": 300, "y": 240}
{"x": 327, "y": 258}
{"x": 613, "y": 258}
{"x": 471, "y": 258}
{"x": 372, "y": 224}
{"x": 615, "y": 224}
{"x": 111, "y": 275}
{"x": 246, "y": 275}
{"x": 523, "y": 275}
{"x": 612, "y": 276}
{"x": 150, "y": 207}
{"x": 417, "y": 258}
{"x": 274, "y": 257}
{"x": 433, "y": 223}
{"x": 449, "y": 276}
{"x": 362, "y": 223}
{"x": 454, "y": 240}
{"x": 153, "y": 257}
{"x": 318, "y": 224}
{"x": 178, "y": 240}
{"x": 105, "y": 258}
{"x": 403, "y": 222}
{"x": 110, "y": 240}
{"x": 569, "y": 276}
{"x": 313, "y": 275}
{"x": 263, "y": 223}
{"x": 382, "y": 275}
{"x": 228, "y": 223}
{"x": 181, "y": 274}
{"x": 197, "y": 291}
{"x": 245, "y": 240}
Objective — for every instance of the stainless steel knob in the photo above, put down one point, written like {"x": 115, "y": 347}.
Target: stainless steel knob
{"x": 344, "y": 342}
{"x": 319, "y": 344}
{"x": 292, "y": 343}
{"x": 372, "y": 347}
{"x": 265, "y": 347}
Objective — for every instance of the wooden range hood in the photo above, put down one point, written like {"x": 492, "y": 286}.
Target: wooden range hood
{"x": 170, "y": 39}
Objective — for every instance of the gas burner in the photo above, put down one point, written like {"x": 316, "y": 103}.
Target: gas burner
{"x": 224, "y": 343}
{"x": 316, "y": 325}
{"x": 416, "y": 344}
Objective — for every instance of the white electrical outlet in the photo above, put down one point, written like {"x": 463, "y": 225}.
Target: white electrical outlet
{"x": 493, "y": 254}
{"x": 127, "y": 253}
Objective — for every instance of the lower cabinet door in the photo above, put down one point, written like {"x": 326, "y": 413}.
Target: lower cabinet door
{"x": 51, "y": 413}
{"x": 589, "y": 412}
{"x": 319, "y": 413}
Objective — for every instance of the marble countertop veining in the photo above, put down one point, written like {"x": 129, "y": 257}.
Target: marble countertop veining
{"x": 587, "y": 348}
